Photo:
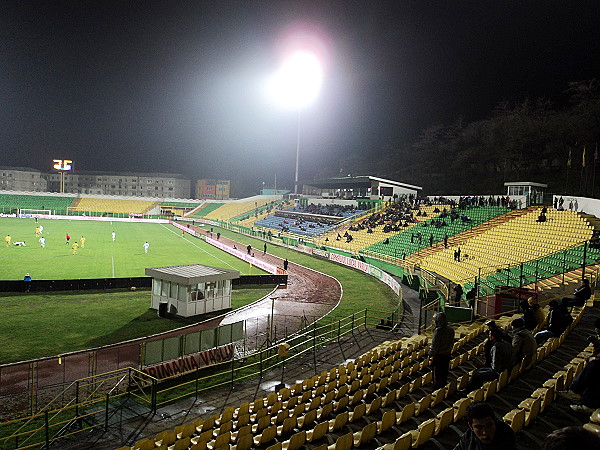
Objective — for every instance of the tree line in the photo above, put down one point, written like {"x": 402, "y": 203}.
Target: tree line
{"x": 531, "y": 140}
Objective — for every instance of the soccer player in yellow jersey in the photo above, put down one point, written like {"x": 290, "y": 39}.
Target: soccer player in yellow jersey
{"x": 75, "y": 247}
{"x": 7, "y": 240}
{"x": 37, "y": 231}
{"x": 82, "y": 240}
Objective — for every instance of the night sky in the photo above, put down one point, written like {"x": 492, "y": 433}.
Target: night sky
{"x": 172, "y": 86}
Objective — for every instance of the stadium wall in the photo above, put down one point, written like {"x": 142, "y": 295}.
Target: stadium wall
{"x": 579, "y": 204}
{"x": 118, "y": 283}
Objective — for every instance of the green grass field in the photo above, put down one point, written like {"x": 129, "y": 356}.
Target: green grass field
{"x": 101, "y": 257}
{"x": 38, "y": 325}
{"x": 41, "y": 324}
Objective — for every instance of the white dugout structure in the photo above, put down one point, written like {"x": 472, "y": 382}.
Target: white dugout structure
{"x": 192, "y": 289}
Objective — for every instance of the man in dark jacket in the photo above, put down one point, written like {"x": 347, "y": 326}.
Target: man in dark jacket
{"x": 581, "y": 294}
{"x": 528, "y": 315}
{"x": 557, "y": 322}
{"x": 485, "y": 431}
{"x": 523, "y": 342}
{"x": 458, "y": 293}
{"x": 442, "y": 342}
{"x": 502, "y": 359}
{"x": 487, "y": 346}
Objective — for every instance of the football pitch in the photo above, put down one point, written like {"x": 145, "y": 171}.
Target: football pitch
{"x": 101, "y": 257}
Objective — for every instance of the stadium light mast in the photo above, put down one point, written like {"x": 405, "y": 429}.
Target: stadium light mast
{"x": 296, "y": 85}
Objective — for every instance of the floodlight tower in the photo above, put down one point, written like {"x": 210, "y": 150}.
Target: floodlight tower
{"x": 296, "y": 85}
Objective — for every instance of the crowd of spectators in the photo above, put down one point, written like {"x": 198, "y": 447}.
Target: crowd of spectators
{"x": 479, "y": 200}
{"x": 325, "y": 210}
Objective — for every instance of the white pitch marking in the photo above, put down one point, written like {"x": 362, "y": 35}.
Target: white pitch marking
{"x": 199, "y": 248}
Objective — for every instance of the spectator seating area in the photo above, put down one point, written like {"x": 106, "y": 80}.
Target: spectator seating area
{"x": 203, "y": 210}
{"x": 267, "y": 210}
{"x": 514, "y": 241}
{"x": 116, "y": 206}
{"x": 362, "y": 238}
{"x": 325, "y": 210}
{"x": 407, "y": 242}
{"x": 188, "y": 205}
{"x": 306, "y": 220}
{"x": 425, "y": 220}
{"x": 290, "y": 225}
{"x": 384, "y": 398}
{"x": 227, "y": 211}
{"x": 14, "y": 202}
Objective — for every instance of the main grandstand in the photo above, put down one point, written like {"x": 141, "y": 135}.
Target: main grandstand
{"x": 362, "y": 379}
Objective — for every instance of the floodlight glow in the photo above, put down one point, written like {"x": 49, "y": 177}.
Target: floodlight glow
{"x": 298, "y": 81}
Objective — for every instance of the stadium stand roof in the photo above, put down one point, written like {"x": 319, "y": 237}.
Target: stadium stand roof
{"x": 192, "y": 273}
{"x": 360, "y": 181}
{"x": 366, "y": 186}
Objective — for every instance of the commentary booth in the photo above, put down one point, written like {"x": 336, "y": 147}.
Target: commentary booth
{"x": 191, "y": 290}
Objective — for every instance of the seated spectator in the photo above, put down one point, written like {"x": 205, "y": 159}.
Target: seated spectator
{"x": 487, "y": 346}
{"x": 595, "y": 340}
{"x": 571, "y": 437}
{"x": 558, "y": 321}
{"x": 586, "y": 384}
{"x": 581, "y": 294}
{"x": 540, "y": 317}
{"x": 502, "y": 359}
{"x": 523, "y": 342}
{"x": 528, "y": 315}
{"x": 485, "y": 430}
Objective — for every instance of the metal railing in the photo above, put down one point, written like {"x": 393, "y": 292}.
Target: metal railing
{"x": 90, "y": 402}
{"x": 82, "y": 406}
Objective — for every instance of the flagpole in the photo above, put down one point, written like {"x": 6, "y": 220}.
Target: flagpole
{"x": 582, "y": 183}
{"x": 568, "y": 169}
{"x": 594, "y": 170}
